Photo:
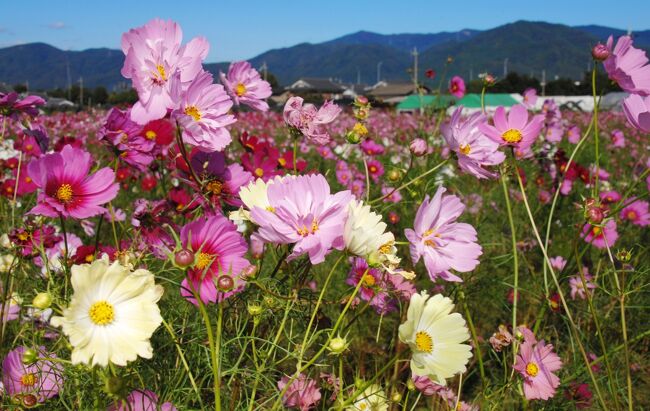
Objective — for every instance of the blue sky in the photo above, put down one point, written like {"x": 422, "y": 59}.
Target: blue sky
{"x": 243, "y": 29}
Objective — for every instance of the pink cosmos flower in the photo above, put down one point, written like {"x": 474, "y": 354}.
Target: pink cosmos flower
{"x": 600, "y": 236}
{"x": 139, "y": 400}
{"x": 554, "y": 133}
{"x": 219, "y": 259}
{"x": 443, "y": 243}
{"x": 66, "y": 187}
{"x": 457, "y": 87}
{"x": 618, "y": 138}
{"x": 42, "y": 379}
{"x": 515, "y": 130}
{"x": 637, "y": 111}
{"x": 558, "y": 263}
{"x": 309, "y": 121}
{"x": 203, "y": 113}
{"x": 530, "y": 97}
{"x": 474, "y": 150}
{"x": 303, "y": 212}
{"x": 375, "y": 170}
{"x": 303, "y": 393}
{"x": 371, "y": 148}
{"x": 628, "y": 66}
{"x": 245, "y": 86}
{"x": 501, "y": 339}
{"x": 580, "y": 395}
{"x": 609, "y": 197}
{"x": 536, "y": 363}
{"x": 155, "y": 60}
{"x": 578, "y": 288}
{"x": 11, "y": 106}
{"x": 126, "y": 136}
{"x": 573, "y": 134}
{"x": 637, "y": 213}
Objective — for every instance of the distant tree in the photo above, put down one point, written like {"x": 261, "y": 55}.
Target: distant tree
{"x": 100, "y": 95}
{"x": 20, "y": 88}
{"x": 273, "y": 81}
{"x": 123, "y": 97}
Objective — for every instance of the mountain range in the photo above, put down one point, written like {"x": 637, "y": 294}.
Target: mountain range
{"x": 523, "y": 46}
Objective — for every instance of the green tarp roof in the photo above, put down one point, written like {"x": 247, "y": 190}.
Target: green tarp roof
{"x": 491, "y": 100}
{"x": 416, "y": 101}
{"x": 471, "y": 100}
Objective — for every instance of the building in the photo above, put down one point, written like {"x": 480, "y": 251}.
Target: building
{"x": 327, "y": 89}
{"x": 394, "y": 93}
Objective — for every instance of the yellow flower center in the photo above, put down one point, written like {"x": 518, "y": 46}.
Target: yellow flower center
{"x": 423, "y": 341}
{"x": 28, "y": 179}
{"x": 426, "y": 234}
{"x": 631, "y": 215}
{"x": 259, "y": 172}
{"x": 28, "y": 380}
{"x": 464, "y": 149}
{"x": 89, "y": 258}
{"x": 150, "y": 134}
{"x": 215, "y": 187}
{"x": 282, "y": 161}
{"x": 512, "y": 136}
{"x": 240, "y": 90}
{"x": 64, "y": 193}
{"x": 271, "y": 209}
{"x": 360, "y": 129}
{"x": 203, "y": 260}
{"x": 386, "y": 248}
{"x": 532, "y": 369}
{"x": 161, "y": 72}
{"x": 596, "y": 231}
{"x": 304, "y": 231}
{"x": 101, "y": 313}
{"x": 368, "y": 280}
{"x": 24, "y": 236}
{"x": 193, "y": 112}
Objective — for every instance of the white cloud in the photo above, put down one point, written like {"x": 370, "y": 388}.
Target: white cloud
{"x": 57, "y": 25}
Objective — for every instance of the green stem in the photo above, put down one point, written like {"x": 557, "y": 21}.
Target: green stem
{"x": 513, "y": 239}
{"x": 596, "y": 134}
{"x": 479, "y": 354}
{"x": 426, "y": 173}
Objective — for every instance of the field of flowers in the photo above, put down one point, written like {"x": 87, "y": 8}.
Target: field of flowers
{"x": 200, "y": 251}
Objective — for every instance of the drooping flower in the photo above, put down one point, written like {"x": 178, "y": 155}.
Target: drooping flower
{"x": 435, "y": 336}
{"x": 245, "y": 86}
{"x": 112, "y": 313}
{"x": 373, "y": 398}
{"x": 309, "y": 121}
{"x": 515, "y": 130}
{"x": 303, "y": 393}
{"x": 637, "y": 111}
{"x": 221, "y": 182}
{"x": 474, "y": 150}
{"x": 443, "y": 243}
{"x": 580, "y": 289}
{"x": 457, "y": 87}
{"x": 637, "y": 213}
{"x": 500, "y": 339}
{"x": 42, "y": 379}
{"x": 365, "y": 233}
{"x": 628, "y": 66}
{"x": 67, "y": 188}
{"x": 141, "y": 400}
{"x": 536, "y": 363}
{"x": 155, "y": 61}
{"x": 203, "y": 113}
{"x": 11, "y": 106}
{"x": 303, "y": 212}
{"x": 219, "y": 259}
{"x": 601, "y": 236}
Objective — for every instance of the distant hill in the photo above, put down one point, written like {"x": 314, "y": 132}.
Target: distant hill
{"x": 530, "y": 47}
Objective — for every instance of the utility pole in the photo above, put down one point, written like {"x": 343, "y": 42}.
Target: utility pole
{"x": 543, "y": 84}
{"x": 264, "y": 70}
{"x": 505, "y": 67}
{"x": 379, "y": 71}
{"x": 81, "y": 92}
{"x": 67, "y": 68}
{"x": 414, "y": 53}
{"x": 358, "y": 75}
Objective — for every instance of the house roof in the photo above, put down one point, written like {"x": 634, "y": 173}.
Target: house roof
{"x": 393, "y": 89}
{"x": 473, "y": 100}
{"x": 322, "y": 85}
{"x": 414, "y": 102}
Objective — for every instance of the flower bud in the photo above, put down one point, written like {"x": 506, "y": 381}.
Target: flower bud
{"x": 42, "y": 301}
{"x": 410, "y": 385}
{"x": 600, "y": 52}
{"x": 5, "y": 242}
{"x": 29, "y": 400}
{"x": 418, "y": 147}
{"x": 184, "y": 258}
{"x": 394, "y": 175}
{"x": 337, "y": 345}
{"x": 249, "y": 272}
{"x": 594, "y": 215}
{"x": 30, "y": 356}
{"x": 396, "y": 397}
{"x": 624, "y": 255}
{"x": 113, "y": 385}
{"x": 361, "y": 100}
{"x": 352, "y": 137}
{"x": 225, "y": 283}
{"x": 255, "y": 310}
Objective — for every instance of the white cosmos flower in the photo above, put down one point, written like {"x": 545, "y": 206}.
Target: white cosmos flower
{"x": 435, "y": 336}
{"x": 364, "y": 233}
{"x": 112, "y": 313}
{"x": 372, "y": 398}
{"x": 253, "y": 195}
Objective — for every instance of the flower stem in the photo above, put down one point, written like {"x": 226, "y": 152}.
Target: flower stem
{"x": 515, "y": 258}
{"x": 426, "y": 173}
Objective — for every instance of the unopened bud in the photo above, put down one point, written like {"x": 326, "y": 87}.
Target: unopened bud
{"x": 42, "y": 301}
{"x": 352, "y": 137}
{"x": 184, "y": 258}
{"x": 418, "y": 147}
{"x": 600, "y": 52}
{"x": 396, "y": 397}
{"x": 249, "y": 272}
{"x": 255, "y": 310}
{"x": 225, "y": 283}
{"x": 594, "y": 215}
{"x": 30, "y": 356}
{"x": 361, "y": 100}
{"x": 624, "y": 255}
{"x": 394, "y": 175}
{"x": 337, "y": 345}
{"x": 29, "y": 400}
{"x": 410, "y": 385}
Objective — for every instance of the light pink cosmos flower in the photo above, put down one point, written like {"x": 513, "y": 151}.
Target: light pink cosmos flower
{"x": 558, "y": 263}
{"x": 309, "y": 121}
{"x": 515, "y": 130}
{"x": 303, "y": 393}
{"x": 573, "y": 134}
{"x": 600, "y": 236}
{"x": 637, "y": 213}
{"x": 139, "y": 400}
{"x": 66, "y": 187}
{"x": 245, "y": 86}
{"x": 457, "y": 87}
{"x": 443, "y": 243}
{"x": 578, "y": 288}
{"x": 42, "y": 379}
{"x": 530, "y": 97}
{"x": 154, "y": 57}
{"x": 637, "y": 111}
{"x": 536, "y": 363}
{"x": 203, "y": 113}
{"x": 474, "y": 150}
{"x": 628, "y": 66}
{"x": 618, "y": 138}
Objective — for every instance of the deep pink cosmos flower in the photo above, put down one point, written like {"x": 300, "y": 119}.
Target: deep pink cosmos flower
{"x": 245, "y": 86}
{"x": 375, "y": 170}
{"x": 221, "y": 182}
{"x": 628, "y": 66}
{"x": 139, "y": 400}
{"x": 474, "y": 150}
{"x": 303, "y": 393}
{"x": 637, "y": 111}
{"x": 309, "y": 121}
{"x": 203, "y": 113}
{"x": 11, "y": 106}
{"x": 515, "y": 130}
{"x": 580, "y": 395}
{"x": 618, "y": 138}
{"x": 443, "y": 243}
{"x": 155, "y": 60}
{"x": 42, "y": 379}
{"x": 637, "y": 213}
{"x": 126, "y": 136}
{"x": 600, "y": 236}
{"x": 371, "y": 148}
{"x": 66, "y": 187}
{"x": 578, "y": 289}
{"x": 457, "y": 87}
{"x": 219, "y": 259}
{"x": 536, "y": 363}
{"x": 303, "y": 212}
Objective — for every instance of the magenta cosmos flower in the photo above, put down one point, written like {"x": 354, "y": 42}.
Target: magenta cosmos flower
{"x": 154, "y": 57}
{"x": 536, "y": 363}
{"x": 474, "y": 150}
{"x": 42, "y": 379}
{"x": 578, "y": 289}
{"x": 139, "y": 400}
{"x": 457, "y": 87}
{"x": 637, "y": 213}
{"x": 443, "y": 243}
{"x": 219, "y": 259}
{"x": 66, "y": 187}
{"x": 600, "y": 236}
{"x": 203, "y": 114}
{"x": 303, "y": 393}
{"x": 303, "y": 212}
{"x": 245, "y": 86}
{"x": 515, "y": 130}
{"x": 628, "y": 66}
{"x": 309, "y": 121}
{"x": 637, "y": 111}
